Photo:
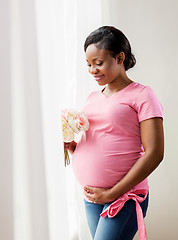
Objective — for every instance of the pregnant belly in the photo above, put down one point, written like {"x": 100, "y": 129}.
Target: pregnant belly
{"x": 95, "y": 167}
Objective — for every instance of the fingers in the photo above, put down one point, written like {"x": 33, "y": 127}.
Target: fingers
{"x": 70, "y": 146}
{"x": 90, "y": 189}
{"x": 67, "y": 145}
{"x": 91, "y": 193}
{"x": 96, "y": 195}
{"x": 92, "y": 199}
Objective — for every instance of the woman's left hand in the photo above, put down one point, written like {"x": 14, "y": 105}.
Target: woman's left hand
{"x": 97, "y": 195}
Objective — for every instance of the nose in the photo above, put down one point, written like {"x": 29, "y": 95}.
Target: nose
{"x": 93, "y": 70}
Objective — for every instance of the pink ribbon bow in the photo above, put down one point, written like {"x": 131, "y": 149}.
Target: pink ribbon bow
{"x": 113, "y": 209}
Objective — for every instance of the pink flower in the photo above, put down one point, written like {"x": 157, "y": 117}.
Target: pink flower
{"x": 72, "y": 122}
{"x": 76, "y": 120}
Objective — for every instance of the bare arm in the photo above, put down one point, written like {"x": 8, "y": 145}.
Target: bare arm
{"x": 152, "y": 137}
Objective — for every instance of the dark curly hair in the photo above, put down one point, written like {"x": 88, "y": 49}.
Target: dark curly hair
{"x": 112, "y": 39}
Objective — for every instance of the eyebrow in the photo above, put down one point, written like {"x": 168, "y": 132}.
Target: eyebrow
{"x": 94, "y": 59}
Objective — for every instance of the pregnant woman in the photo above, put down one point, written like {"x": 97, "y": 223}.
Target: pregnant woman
{"x": 124, "y": 143}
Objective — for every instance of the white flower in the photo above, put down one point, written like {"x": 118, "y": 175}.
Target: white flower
{"x": 68, "y": 134}
{"x": 72, "y": 122}
{"x": 76, "y": 120}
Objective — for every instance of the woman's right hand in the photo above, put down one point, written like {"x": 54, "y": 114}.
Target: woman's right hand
{"x": 70, "y": 146}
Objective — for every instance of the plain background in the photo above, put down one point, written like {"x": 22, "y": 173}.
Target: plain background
{"x": 152, "y": 28}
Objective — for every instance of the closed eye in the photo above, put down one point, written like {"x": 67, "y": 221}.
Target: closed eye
{"x": 99, "y": 64}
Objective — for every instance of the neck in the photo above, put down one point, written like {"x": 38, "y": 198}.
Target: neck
{"x": 119, "y": 84}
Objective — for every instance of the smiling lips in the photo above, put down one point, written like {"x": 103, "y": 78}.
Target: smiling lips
{"x": 98, "y": 77}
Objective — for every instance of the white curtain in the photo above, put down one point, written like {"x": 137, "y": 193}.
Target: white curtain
{"x": 43, "y": 71}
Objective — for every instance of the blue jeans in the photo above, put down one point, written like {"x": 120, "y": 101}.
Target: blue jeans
{"x": 121, "y": 227}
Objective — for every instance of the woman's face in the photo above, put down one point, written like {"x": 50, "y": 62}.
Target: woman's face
{"x": 104, "y": 68}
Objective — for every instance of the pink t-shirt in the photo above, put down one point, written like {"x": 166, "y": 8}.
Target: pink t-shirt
{"x": 112, "y": 145}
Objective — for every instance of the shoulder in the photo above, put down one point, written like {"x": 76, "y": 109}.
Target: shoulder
{"x": 138, "y": 88}
{"x": 146, "y": 93}
{"x": 139, "y": 91}
{"x": 147, "y": 103}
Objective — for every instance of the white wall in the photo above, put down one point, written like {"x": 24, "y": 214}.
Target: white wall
{"x": 152, "y": 28}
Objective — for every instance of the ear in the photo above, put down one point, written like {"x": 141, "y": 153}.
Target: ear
{"x": 120, "y": 57}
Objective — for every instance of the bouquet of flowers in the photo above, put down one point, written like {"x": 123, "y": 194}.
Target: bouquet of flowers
{"x": 72, "y": 122}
